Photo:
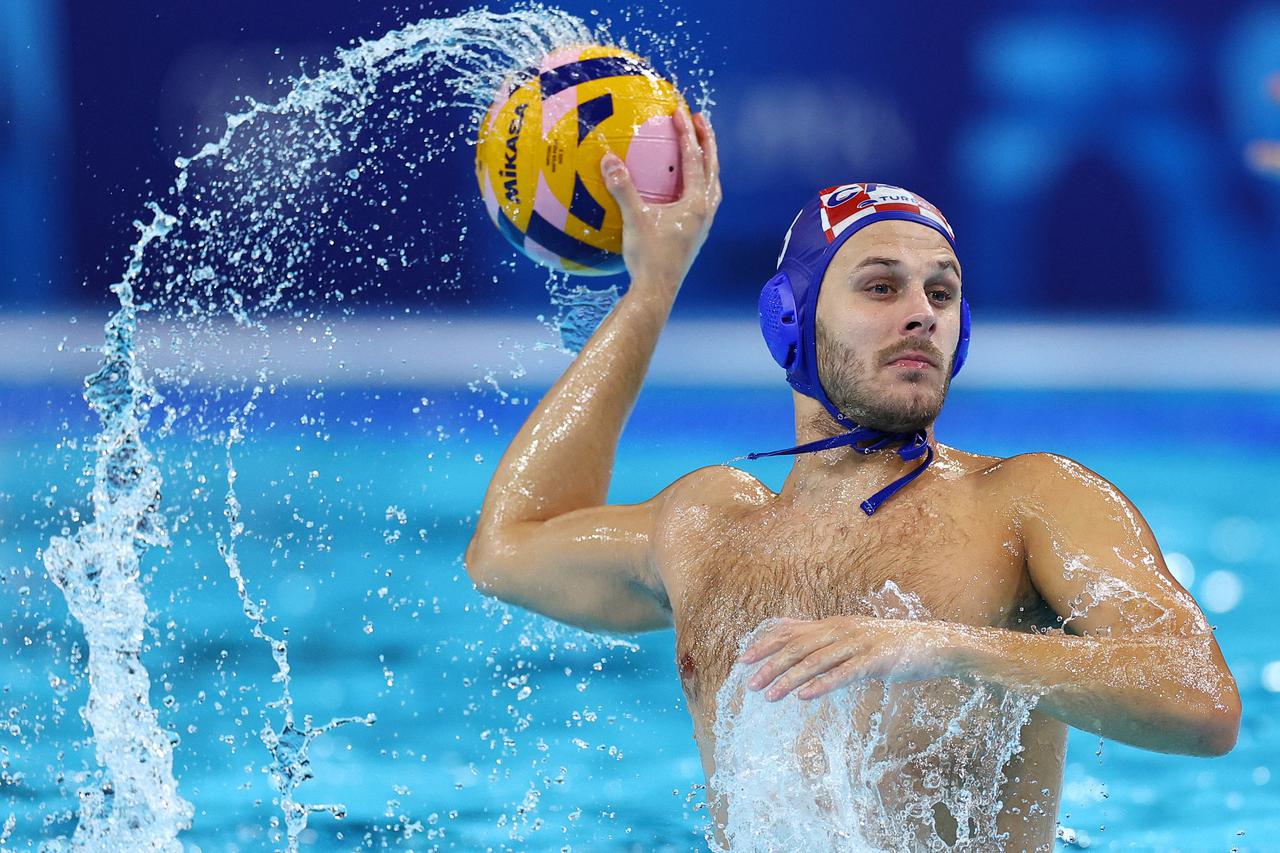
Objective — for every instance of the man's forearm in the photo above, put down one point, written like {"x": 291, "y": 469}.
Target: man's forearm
{"x": 1170, "y": 694}
{"x": 562, "y": 458}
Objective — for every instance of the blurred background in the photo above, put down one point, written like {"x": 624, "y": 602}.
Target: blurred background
{"x": 1093, "y": 157}
{"x": 1112, "y": 170}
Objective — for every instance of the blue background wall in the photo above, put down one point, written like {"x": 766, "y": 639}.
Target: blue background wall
{"x": 1090, "y": 155}
{"x": 35, "y": 268}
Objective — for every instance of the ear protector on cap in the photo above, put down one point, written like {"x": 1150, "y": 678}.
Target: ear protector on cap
{"x": 778, "y": 320}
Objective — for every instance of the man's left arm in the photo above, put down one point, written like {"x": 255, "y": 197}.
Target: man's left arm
{"x": 1137, "y": 662}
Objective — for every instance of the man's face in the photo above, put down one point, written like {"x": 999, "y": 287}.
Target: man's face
{"x": 892, "y": 291}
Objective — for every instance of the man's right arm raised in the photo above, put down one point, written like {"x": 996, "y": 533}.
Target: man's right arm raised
{"x": 546, "y": 540}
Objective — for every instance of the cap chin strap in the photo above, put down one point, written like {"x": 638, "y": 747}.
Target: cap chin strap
{"x": 914, "y": 445}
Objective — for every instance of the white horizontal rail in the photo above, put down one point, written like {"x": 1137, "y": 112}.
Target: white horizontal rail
{"x": 413, "y": 351}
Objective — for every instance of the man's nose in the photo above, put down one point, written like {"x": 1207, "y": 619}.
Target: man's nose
{"x": 922, "y": 317}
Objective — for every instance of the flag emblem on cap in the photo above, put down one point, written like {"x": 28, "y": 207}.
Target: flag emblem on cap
{"x": 842, "y": 206}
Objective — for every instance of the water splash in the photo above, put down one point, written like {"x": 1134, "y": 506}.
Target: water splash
{"x": 318, "y": 181}
{"x": 261, "y": 222}
{"x": 1138, "y": 611}
{"x": 580, "y": 311}
{"x": 798, "y": 775}
{"x": 136, "y": 806}
{"x": 289, "y": 744}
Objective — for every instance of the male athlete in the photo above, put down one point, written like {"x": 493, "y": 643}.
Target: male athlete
{"x": 1039, "y": 576}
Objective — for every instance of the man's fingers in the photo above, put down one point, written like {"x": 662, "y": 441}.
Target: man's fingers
{"x": 691, "y": 168}
{"x": 832, "y": 679}
{"x": 817, "y": 661}
{"x": 617, "y": 180}
{"x": 769, "y": 641}
{"x": 707, "y": 137}
{"x": 762, "y": 647}
{"x": 792, "y": 659}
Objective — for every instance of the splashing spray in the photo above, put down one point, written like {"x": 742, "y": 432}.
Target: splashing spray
{"x": 248, "y": 220}
{"x": 290, "y": 765}
{"x": 136, "y": 806}
{"x": 873, "y": 766}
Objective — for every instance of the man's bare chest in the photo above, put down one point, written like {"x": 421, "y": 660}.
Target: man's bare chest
{"x": 726, "y": 575}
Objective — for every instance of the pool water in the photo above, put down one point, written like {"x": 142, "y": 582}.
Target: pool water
{"x": 497, "y": 729}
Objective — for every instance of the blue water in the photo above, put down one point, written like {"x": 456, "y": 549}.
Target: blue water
{"x": 498, "y": 729}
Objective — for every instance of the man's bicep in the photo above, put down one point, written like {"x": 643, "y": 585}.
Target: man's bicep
{"x": 591, "y": 568}
{"x": 1093, "y": 557}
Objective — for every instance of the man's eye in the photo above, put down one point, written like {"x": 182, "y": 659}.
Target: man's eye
{"x": 945, "y": 294}
{"x": 880, "y": 287}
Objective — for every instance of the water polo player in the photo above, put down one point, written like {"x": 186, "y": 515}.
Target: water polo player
{"x": 1038, "y": 576}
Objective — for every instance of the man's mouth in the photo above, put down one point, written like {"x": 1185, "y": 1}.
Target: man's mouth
{"x": 913, "y": 360}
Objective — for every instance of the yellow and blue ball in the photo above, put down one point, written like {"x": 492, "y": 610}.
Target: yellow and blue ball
{"x": 540, "y": 145}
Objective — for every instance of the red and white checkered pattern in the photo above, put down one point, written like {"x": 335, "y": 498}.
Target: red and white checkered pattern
{"x": 844, "y": 205}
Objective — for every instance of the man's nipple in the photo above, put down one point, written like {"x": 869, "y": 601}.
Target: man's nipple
{"x": 686, "y": 665}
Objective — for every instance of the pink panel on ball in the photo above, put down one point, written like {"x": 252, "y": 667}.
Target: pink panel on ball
{"x": 654, "y": 160}
{"x": 540, "y": 254}
{"x": 500, "y": 99}
{"x": 556, "y": 58}
{"x": 490, "y": 200}
{"x": 548, "y": 206}
{"x": 555, "y": 108}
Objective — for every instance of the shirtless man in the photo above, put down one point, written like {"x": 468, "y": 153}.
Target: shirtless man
{"x": 1039, "y": 576}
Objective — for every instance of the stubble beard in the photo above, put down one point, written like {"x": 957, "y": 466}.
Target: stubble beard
{"x": 847, "y": 381}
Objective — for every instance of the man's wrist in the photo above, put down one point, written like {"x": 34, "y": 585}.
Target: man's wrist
{"x": 653, "y": 292}
{"x": 968, "y": 651}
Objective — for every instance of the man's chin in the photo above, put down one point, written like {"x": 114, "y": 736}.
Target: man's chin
{"x": 903, "y": 426}
{"x": 905, "y": 419}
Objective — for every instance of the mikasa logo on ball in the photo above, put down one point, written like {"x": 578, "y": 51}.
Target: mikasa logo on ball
{"x": 508, "y": 170}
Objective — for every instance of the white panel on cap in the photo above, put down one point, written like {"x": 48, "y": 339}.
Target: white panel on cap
{"x": 786, "y": 241}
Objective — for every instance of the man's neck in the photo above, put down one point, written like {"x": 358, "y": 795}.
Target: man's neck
{"x": 844, "y": 468}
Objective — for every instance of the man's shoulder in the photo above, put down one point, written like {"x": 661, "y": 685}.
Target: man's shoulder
{"x": 1019, "y": 462}
{"x": 1040, "y": 473}
{"x": 1042, "y": 464}
{"x": 715, "y": 485}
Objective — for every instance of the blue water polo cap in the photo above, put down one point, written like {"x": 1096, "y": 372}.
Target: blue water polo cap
{"x": 789, "y": 306}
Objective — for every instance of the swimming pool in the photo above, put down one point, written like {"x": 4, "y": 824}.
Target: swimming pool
{"x": 500, "y": 730}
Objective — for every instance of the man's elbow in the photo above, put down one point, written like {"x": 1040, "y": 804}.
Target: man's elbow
{"x": 1211, "y": 729}
{"x": 1222, "y": 729}
{"x": 478, "y": 567}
